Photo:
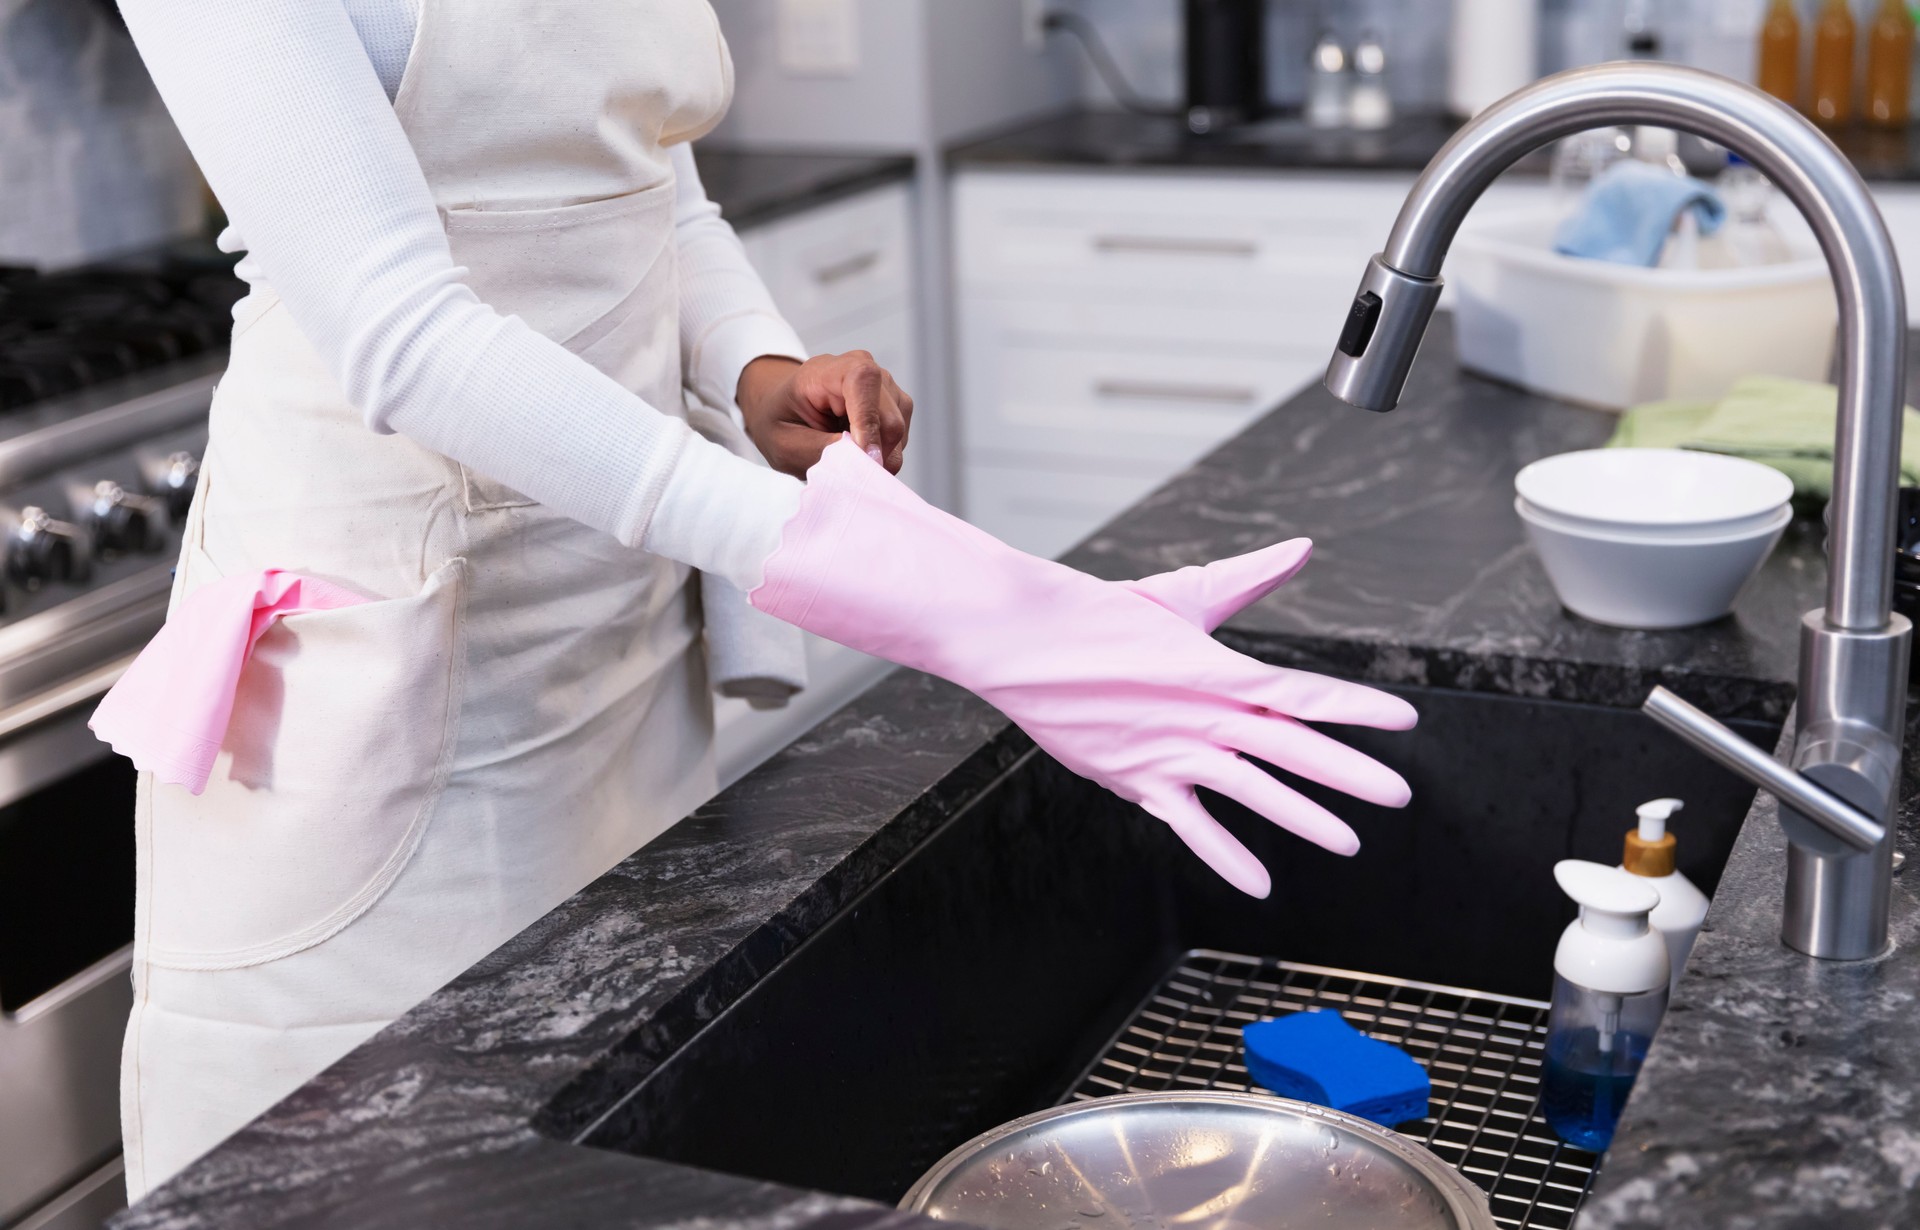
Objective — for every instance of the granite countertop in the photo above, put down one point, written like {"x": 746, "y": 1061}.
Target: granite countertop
{"x": 1086, "y": 138}
{"x": 754, "y": 187}
{"x": 1090, "y": 138}
{"x": 1779, "y": 1093}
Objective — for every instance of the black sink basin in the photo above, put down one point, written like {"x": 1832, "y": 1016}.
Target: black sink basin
{"x": 977, "y": 980}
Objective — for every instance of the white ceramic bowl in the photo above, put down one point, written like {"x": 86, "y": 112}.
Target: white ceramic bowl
{"x": 1640, "y": 581}
{"x": 1652, "y": 489}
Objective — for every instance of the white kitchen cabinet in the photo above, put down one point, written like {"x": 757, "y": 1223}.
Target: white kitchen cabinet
{"x": 843, "y": 275}
{"x": 1115, "y": 326}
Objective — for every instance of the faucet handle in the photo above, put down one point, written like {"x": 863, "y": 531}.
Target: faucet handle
{"x": 1838, "y": 817}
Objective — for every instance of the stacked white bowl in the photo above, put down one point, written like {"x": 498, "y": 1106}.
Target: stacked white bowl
{"x": 1652, "y": 537}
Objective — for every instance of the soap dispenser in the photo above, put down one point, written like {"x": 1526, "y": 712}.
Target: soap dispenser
{"x": 1609, "y": 992}
{"x": 1683, "y": 907}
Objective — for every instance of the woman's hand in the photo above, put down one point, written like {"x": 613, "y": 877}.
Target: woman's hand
{"x": 794, "y": 410}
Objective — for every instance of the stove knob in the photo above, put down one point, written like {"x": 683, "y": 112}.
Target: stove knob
{"x": 123, "y": 522}
{"x": 176, "y": 483}
{"x": 41, "y": 549}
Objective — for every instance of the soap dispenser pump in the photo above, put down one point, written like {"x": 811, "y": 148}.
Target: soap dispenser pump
{"x": 1609, "y": 992}
{"x": 1650, "y": 851}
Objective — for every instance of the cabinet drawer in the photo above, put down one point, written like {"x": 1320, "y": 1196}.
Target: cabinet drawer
{"x": 1045, "y": 512}
{"x": 1189, "y": 236}
{"x": 839, "y": 261}
{"x": 1185, "y": 237}
{"x": 1306, "y": 320}
{"x": 1153, "y": 408}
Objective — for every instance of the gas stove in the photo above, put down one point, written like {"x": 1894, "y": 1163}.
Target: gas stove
{"x": 106, "y": 376}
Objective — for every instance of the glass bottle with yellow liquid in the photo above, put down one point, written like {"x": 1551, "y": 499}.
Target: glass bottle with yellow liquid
{"x": 1779, "y": 69}
{"x": 1889, "y": 64}
{"x": 1833, "y": 51}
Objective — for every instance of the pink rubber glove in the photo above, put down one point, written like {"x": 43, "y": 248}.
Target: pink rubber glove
{"x": 169, "y": 712}
{"x": 1120, "y": 682}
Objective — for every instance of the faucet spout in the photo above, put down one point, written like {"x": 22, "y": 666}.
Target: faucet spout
{"x": 1851, "y": 712}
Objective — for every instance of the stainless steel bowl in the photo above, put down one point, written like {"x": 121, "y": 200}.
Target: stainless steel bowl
{"x": 1197, "y": 1161}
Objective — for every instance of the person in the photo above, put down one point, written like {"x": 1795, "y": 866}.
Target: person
{"x": 483, "y": 277}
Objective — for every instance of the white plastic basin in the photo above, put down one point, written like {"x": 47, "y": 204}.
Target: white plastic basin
{"x": 1618, "y": 335}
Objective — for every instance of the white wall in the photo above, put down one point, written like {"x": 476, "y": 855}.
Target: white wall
{"x": 89, "y": 162}
{"x": 1145, "y": 37}
{"x": 882, "y": 104}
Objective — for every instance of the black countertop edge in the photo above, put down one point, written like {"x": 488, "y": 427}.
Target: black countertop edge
{"x": 1086, "y": 138}
{"x": 754, "y": 186}
{"x": 462, "y": 1111}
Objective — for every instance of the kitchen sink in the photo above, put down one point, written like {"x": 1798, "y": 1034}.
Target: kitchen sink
{"x": 981, "y": 977}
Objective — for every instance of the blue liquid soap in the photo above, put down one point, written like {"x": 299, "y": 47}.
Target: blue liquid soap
{"x": 1584, "y": 1088}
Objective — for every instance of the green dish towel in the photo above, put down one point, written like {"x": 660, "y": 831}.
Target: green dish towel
{"x": 1787, "y": 424}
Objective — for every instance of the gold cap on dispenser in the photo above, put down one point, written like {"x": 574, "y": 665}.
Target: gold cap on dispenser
{"x": 1650, "y": 848}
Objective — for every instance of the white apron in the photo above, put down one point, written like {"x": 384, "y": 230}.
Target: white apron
{"x": 406, "y": 784}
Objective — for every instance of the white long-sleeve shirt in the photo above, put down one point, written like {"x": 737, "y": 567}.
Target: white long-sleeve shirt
{"x": 286, "y": 104}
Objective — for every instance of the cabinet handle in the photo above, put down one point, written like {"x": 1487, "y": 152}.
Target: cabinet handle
{"x": 1158, "y": 390}
{"x": 1176, "y": 245}
{"x": 840, "y": 271}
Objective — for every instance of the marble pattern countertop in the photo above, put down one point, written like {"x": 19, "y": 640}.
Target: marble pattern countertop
{"x": 1779, "y": 1094}
{"x": 1085, "y": 138}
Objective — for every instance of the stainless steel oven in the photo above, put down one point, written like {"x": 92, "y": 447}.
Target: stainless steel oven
{"x": 105, "y": 380}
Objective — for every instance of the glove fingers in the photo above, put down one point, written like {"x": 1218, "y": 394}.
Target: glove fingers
{"x": 1317, "y": 698}
{"x": 1300, "y": 749}
{"x": 1208, "y": 596}
{"x": 1280, "y": 803}
{"x": 1216, "y": 847}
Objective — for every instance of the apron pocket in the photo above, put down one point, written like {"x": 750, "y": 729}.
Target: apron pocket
{"x": 339, "y": 748}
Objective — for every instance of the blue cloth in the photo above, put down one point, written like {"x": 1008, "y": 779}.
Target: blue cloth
{"x": 1317, "y": 1057}
{"x": 1628, "y": 212}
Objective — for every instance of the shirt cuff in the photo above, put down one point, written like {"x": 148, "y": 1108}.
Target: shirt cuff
{"x": 729, "y": 345}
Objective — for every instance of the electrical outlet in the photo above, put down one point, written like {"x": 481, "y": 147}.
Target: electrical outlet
{"x": 1033, "y": 23}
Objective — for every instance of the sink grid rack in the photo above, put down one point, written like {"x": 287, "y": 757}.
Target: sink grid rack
{"x": 1481, "y": 1051}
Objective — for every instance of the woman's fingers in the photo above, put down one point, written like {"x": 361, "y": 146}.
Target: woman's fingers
{"x": 873, "y": 415}
{"x": 1319, "y": 758}
{"x": 903, "y": 406}
{"x": 1207, "y": 596}
{"x": 1251, "y": 786}
{"x": 1216, "y": 847}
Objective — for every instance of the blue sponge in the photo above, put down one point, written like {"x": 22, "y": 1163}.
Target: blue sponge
{"x": 1318, "y": 1057}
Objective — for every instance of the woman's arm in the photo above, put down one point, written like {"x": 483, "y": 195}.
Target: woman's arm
{"x": 290, "y": 124}
{"x": 727, "y": 316}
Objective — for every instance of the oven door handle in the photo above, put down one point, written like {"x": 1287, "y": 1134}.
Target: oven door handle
{"x": 57, "y": 700}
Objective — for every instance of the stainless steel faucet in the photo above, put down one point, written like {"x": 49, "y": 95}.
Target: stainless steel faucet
{"x": 1837, "y": 799}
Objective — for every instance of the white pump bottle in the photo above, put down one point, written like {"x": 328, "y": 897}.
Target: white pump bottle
{"x": 1650, "y": 851}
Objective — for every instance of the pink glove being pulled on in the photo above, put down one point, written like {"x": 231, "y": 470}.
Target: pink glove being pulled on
{"x": 1120, "y": 682}
{"x": 169, "y": 712}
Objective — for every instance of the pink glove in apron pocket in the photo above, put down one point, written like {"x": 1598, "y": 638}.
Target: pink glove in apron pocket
{"x": 169, "y": 712}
